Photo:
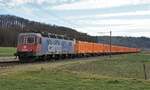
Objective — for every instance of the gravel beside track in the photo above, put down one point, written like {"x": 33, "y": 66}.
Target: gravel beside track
{"x": 12, "y": 61}
{"x": 9, "y": 63}
{"x": 7, "y": 59}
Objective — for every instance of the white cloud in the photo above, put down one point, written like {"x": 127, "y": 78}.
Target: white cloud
{"x": 125, "y": 27}
{"x": 115, "y": 21}
{"x": 40, "y": 2}
{"x": 92, "y": 4}
{"x": 136, "y": 13}
{"x": 13, "y": 3}
{"x": 119, "y": 27}
{"x": 22, "y": 1}
{"x": 36, "y": 2}
{"x": 124, "y": 31}
{"x": 26, "y": 10}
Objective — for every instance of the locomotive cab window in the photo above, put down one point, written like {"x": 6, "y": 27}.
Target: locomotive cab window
{"x": 30, "y": 39}
{"x": 38, "y": 40}
{"x": 26, "y": 39}
{"x": 52, "y": 36}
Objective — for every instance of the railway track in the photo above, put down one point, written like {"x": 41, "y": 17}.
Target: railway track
{"x": 9, "y": 63}
{"x": 13, "y": 62}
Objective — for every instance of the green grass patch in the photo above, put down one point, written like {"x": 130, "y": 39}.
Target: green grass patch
{"x": 124, "y": 66}
{"x": 61, "y": 80}
{"x": 122, "y": 72}
{"x": 7, "y": 51}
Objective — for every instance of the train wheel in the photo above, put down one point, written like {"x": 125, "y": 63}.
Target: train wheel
{"x": 57, "y": 57}
{"x": 49, "y": 57}
{"x": 22, "y": 59}
{"x": 44, "y": 58}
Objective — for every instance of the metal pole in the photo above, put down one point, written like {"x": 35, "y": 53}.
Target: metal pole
{"x": 110, "y": 44}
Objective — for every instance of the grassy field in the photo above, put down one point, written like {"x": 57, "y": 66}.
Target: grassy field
{"x": 124, "y": 66}
{"x": 7, "y": 51}
{"x": 124, "y": 72}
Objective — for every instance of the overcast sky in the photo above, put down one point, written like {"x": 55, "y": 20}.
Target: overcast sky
{"x": 123, "y": 17}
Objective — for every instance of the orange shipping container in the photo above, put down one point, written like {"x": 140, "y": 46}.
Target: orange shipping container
{"x": 83, "y": 47}
{"x": 106, "y": 48}
{"x": 97, "y": 48}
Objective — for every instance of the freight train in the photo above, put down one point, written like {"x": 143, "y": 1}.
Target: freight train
{"x": 34, "y": 46}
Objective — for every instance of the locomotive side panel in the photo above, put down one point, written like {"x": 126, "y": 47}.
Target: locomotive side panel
{"x": 57, "y": 46}
{"x": 67, "y": 46}
{"x": 44, "y": 46}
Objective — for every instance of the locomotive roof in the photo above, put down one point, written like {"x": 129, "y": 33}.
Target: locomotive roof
{"x": 36, "y": 34}
{"x": 49, "y": 35}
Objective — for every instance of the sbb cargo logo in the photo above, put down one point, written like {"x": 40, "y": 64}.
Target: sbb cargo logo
{"x": 54, "y": 46}
{"x": 51, "y": 48}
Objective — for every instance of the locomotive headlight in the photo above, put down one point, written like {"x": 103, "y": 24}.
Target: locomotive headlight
{"x": 24, "y": 46}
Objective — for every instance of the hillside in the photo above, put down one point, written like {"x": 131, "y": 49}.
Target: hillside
{"x": 139, "y": 42}
{"x": 11, "y": 26}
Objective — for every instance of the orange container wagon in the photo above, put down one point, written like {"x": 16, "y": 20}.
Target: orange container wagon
{"x": 90, "y": 48}
{"x": 100, "y": 48}
{"x": 79, "y": 47}
{"x": 94, "y": 48}
{"x": 82, "y": 47}
{"x": 106, "y": 48}
{"x": 114, "y": 49}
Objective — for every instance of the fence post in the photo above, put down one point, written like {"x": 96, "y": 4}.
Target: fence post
{"x": 144, "y": 69}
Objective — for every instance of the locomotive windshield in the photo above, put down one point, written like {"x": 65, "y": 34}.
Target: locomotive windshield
{"x": 30, "y": 39}
{"x": 25, "y": 39}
